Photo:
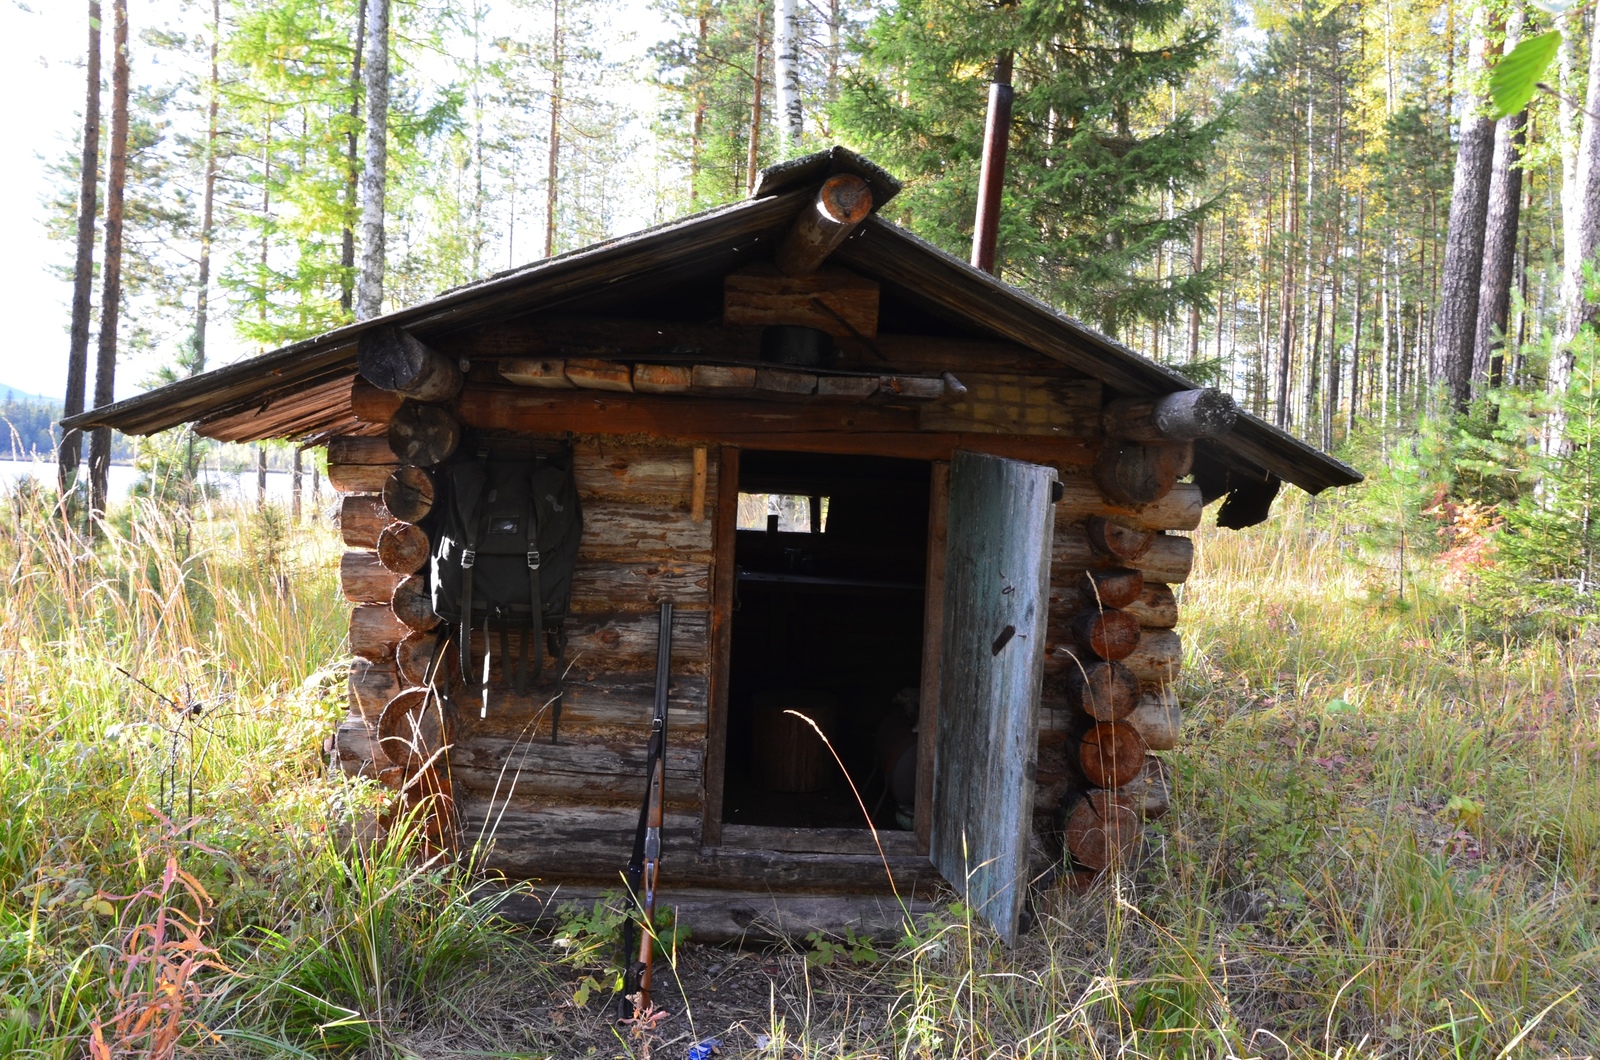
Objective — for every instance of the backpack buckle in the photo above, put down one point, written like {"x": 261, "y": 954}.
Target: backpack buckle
{"x": 534, "y": 560}
{"x": 468, "y": 558}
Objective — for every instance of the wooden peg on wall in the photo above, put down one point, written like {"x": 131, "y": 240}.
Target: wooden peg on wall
{"x": 697, "y": 499}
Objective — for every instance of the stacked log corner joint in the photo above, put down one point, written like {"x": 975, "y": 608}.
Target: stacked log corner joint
{"x": 400, "y": 727}
{"x": 1121, "y": 708}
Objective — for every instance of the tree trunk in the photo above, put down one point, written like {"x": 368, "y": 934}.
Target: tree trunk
{"x": 202, "y": 305}
{"x": 374, "y": 178}
{"x": 83, "y": 267}
{"x": 1456, "y": 328}
{"x": 352, "y": 155}
{"x": 697, "y": 130}
{"x": 1196, "y": 266}
{"x": 786, "y": 49}
{"x": 1499, "y": 249}
{"x": 261, "y": 475}
{"x": 111, "y": 290}
{"x": 296, "y": 483}
{"x": 756, "y": 79}
{"x": 1574, "y": 307}
{"x": 552, "y": 179}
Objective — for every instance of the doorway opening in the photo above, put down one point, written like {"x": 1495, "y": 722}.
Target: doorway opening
{"x": 827, "y": 622}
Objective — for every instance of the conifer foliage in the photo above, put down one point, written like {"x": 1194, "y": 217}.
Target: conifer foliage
{"x": 1104, "y": 158}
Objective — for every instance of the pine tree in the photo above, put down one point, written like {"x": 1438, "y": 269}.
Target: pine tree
{"x": 1100, "y": 158}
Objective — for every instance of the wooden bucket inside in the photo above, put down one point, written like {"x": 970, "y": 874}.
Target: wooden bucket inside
{"x": 789, "y": 756}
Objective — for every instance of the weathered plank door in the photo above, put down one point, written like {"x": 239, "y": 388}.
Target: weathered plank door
{"x": 997, "y": 595}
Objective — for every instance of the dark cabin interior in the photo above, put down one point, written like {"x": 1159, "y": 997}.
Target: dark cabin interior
{"x": 827, "y": 620}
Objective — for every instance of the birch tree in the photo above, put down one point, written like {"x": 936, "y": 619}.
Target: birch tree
{"x": 786, "y": 50}
{"x": 369, "y": 283}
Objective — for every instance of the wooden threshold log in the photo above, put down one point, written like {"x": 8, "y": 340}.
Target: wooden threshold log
{"x": 1111, "y": 587}
{"x": 374, "y": 631}
{"x": 362, "y": 518}
{"x": 1185, "y": 416}
{"x": 364, "y": 580}
{"x": 1109, "y": 634}
{"x": 1103, "y": 830}
{"x": 1111, "y": 754}
{"x": 403, "y": 547}
{"x": 408, "y": 493}
{"x": 412, "y": 605}
{"x": 842, "y": 203}
{"x": 424, "y": 435}
{"x": 391, "y": 358}
{"x": 1133, "y": 473}
{"x": 1105, "y": 691}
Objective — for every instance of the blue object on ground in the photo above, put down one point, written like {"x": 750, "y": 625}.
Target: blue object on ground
{"x": 704, "y": 1050}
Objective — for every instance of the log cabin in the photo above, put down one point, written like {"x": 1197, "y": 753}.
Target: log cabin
{"x": 878, "y": 485}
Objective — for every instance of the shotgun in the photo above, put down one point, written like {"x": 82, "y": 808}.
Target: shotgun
{"x": 645, "y": 865}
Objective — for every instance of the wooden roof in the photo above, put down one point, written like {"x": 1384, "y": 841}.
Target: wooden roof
{"x": 302, "y": 391}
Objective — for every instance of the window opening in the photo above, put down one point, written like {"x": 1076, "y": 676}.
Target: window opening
{"x": 783, "y": 513}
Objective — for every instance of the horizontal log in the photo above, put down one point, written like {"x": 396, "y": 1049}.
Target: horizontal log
{"x": 1158, "y": 718}
{"x": 596, "y": 768}
{"x": 413, "y": 654}
{"x": 1114, "y": 541}
{"x": 1103, "y": 831}
{"x": 837, "y": 301}
{"x": 356, "y": 749}
{"x": 853, "y": 387}
{"x": 1167, "y": 559}
{"x": 368, "y": 404}
{"x": 626, "y": 641}
{"x": 374, "y": 631}
{"x": 549, "y": 335}
{"x": 1105, "y": 691}
{"x": 715, "y": 377}
{"x": 785, "y": 381}
{"x": 409, "y": 493}
{"x": 364, "y": 580}
{"x": 1156, "y": 607}
{"x": 599, "y": 585}
{"x": 362, "y": 518}
{"x": 1185, "y": 416}
{"x": 371, "y": 686}
{"x": 424, "y": 435}
{"x": 1108, "y": 634}
{"x": 620, "y": 533}
{"x": 662, "y": 378}
{"x": 358, "y": 449}
{"x": 1131, "y": 473}
{"x": 591, "y": 374}
{"x": 1018, "y": 404}
{"x": 360, "y": 478}
{"x": 391, "y": 358}
{"x": 403, "y": 547}
{"x": 1155, "y": 662}
{"x": 614, "y": 705}
{"x": 1181, "y": 509}
{"x": 546, "y": 372}
{"x": 552, "y": 841}
{"x": 1110, "y": 587}
{"x": 842, "y": 203}
{"x": 606, "y": 469}
{"x": 412, "y": 604}
{"x": 1111, "y": 754}
{"x": 714, "y": 916}
{"x": 874, "y": 429}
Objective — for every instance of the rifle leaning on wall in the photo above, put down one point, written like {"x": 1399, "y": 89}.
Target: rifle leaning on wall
{"x": 644, "y": 866}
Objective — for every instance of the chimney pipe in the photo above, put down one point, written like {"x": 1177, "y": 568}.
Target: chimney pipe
{"x": 991, "y": 178}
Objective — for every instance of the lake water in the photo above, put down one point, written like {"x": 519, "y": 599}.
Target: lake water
{"x": 232, "y": 485}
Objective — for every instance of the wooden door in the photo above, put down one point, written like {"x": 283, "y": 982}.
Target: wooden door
{"x": 997, "y": 595}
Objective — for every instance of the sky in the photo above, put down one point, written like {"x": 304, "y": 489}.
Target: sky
{"x": 41, "y": 49}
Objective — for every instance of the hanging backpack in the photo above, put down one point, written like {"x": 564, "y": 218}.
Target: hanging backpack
{"x": 505, "y": 555}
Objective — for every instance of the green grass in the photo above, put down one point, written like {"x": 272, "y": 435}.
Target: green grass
{"x": 1384, "y": 839}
